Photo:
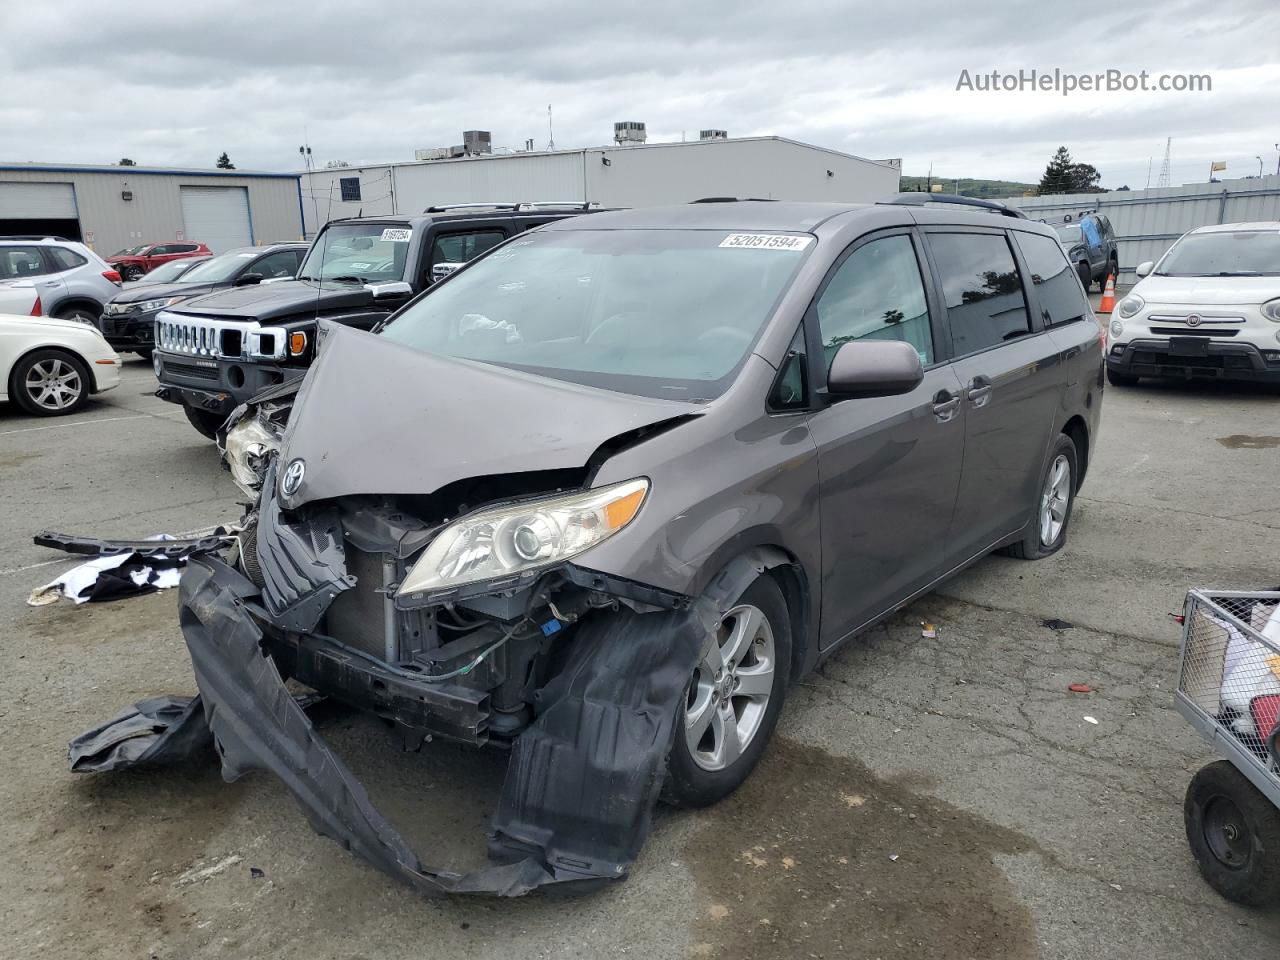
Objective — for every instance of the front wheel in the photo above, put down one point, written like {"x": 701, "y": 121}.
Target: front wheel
{"x": 50, "y": 383}
{"x": 132, "y": 273}
{"x": 1047, "y": 532}
{"x": 79, "y": 315}
{"x": 205, "y": 421}
{"x": 1234, "y": 834}
{"x": 733, "y": 700}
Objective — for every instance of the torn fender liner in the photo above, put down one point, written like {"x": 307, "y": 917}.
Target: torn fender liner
{"x": 153, "y": 732}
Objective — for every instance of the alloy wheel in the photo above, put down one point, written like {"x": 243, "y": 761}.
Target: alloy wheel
{"x": 731, "y": 687}
{"x": 1054, "y": 500}
{"x": 54, "y": 384}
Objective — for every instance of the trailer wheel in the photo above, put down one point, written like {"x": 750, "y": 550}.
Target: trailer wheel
{"x": 1234, "y": 833}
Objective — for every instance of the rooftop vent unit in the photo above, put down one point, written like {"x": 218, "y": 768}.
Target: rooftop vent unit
{"x": 431, "y": 153}
{"x": 628, "y": 131}
{"x": 476, "y": 142}
{"x": 713, "y": 135}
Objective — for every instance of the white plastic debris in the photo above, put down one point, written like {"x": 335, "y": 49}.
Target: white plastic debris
{"x": 1093, "y": 720}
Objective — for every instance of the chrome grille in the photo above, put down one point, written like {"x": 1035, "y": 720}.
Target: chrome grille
{"x": 220, "y": 339}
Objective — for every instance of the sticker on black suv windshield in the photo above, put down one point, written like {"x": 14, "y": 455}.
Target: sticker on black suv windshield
{"x": 766, "y": 241}
{"x": 397, "y": 234}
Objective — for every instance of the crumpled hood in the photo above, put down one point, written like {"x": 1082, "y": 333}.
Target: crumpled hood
{"x": 1208, "y": 291}
{"x": 376, "y": 417}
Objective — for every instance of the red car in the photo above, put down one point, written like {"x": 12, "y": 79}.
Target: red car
{"x": 136, "y": 261}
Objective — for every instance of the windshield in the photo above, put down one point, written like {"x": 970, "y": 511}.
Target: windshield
{"x": 1069, "y": 232}
{"x": 171, "y": 272}
{"x": 358, "y": 253}
{"x": 662, "y": 313}
{"x": 130, "y": 251}
{"x": 1238, "y": 253}
{"x": 219, "y": 268}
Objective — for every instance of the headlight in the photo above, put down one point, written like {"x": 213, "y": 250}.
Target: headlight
{"x": 523, "y": 537}
{"x": 1271, "y": 310}
{"x": 1117, "y": 328}
{"x": 147, "y": 305}
{"x": 1129, "y": 306}
{"x": 249, "y": 443}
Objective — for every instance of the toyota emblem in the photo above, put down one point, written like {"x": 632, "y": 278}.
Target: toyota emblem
{"x": 1194, "y": 320}
{"x": 293, "y": 475}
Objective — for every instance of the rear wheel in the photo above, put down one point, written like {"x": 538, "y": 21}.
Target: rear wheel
{"x": 1234, "y": 834}
{"x": 78, "y": 313}
{"x": 206, "y": 421}
{"x": 50, "y": 383}
{"x": 733, "y": 700}
{"x": 1120, "y": 379}
{"x": 1047, "y": 532}
{"x": 1086, "y": 275}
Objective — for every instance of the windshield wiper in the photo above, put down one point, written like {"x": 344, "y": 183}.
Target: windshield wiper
{"x": 347, "y": 278}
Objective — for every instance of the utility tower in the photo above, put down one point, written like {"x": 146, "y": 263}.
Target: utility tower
{"x": 1164, "y": 178}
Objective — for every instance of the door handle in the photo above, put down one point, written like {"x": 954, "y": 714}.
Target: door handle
{"x": 978, "y": 391}
{"x": 945, "y": 405}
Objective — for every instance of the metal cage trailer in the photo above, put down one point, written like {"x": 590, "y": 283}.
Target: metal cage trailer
{"x": 1229, "y": 690}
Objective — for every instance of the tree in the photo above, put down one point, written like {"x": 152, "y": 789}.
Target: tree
{"x": 1064, "y": 175}
{"x": 224, "y": 162}
{"x": 126, "y": 162}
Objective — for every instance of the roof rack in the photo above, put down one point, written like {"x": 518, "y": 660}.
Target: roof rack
{"x": 733, "y": 200}
{"x": 446, "y": 207}
{"x": 35, "y": 236}
{"x": 558, "y": 205}
{"x": 920, "y": 199}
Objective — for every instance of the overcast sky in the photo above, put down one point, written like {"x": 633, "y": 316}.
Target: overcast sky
{"x": 176, "y": 84}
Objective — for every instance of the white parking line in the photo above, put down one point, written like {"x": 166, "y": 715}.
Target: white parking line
{"x": 77, "y": 423}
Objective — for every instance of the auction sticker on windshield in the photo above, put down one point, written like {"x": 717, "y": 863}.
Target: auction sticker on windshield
{"x": 397, "y": 234}
{"x": 766, "y": 241}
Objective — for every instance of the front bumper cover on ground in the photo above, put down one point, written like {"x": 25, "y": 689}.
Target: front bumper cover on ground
{"x": 583, "y": 778}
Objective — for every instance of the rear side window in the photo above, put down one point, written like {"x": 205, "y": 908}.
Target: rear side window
{"x": 876, "y": 294}
{"x": 1057, "y": 288}
{"x": 66, "y": 259}
{"x": 462, "y": 247}
{"x": 982, "y": 289}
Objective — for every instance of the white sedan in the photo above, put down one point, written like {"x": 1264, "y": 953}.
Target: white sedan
{"x": 1209, "y": 310}
{"x": 51, "y": 367}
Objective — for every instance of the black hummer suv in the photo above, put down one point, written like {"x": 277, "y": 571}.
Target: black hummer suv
{"x": 215, "y": 352}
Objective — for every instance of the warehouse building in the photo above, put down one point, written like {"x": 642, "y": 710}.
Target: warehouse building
{"x": 630, "y": 174}
{"x": 111, "y": 208}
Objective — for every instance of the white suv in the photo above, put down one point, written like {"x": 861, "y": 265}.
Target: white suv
{"x": 72, "y": 281}
{"x": 1210, "y": 309}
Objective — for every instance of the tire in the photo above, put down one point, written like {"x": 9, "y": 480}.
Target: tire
{"x": 1059, "y": 494}
{"x": 1234, "y": 834}
{"x": 50, "y": 383}
{"x": 1086, "y": 275}
{"x": 80, "y": 314}
{"x": 1113, "y": 270}
{"x": 1120, "y": 379}
{"x": 699, "y": 774}
{"x": 205, "y": 421}
{"x": 132, "y": 273}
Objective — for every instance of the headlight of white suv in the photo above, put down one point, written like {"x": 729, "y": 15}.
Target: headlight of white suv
{"x": 1271, "y": 310}
{"x": 521, "y": 537}
{"x": 1129, "y": 306}
{"x": 148, "y": 305}
{"x": 248, "y": 445}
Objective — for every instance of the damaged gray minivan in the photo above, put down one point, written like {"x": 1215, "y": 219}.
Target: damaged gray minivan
{"x": 596, "y": 498}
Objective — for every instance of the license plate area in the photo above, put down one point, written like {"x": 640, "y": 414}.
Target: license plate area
{"x": 1188, "y": 347}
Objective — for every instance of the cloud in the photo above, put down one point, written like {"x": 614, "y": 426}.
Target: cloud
{"x": 180, "y": 84}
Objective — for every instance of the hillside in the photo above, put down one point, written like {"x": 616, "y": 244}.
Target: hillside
{"x": 970, "y": 187}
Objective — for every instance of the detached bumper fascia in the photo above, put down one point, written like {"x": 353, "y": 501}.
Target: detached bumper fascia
{"x": 1226, "y": 360}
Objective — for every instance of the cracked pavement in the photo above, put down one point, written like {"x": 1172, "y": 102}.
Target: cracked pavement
{"x": 930, "y": 797}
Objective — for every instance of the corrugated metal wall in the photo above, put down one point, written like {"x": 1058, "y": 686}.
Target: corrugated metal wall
{"x": 1147, "y": 222}
{"x": 155, "y": 212}
{"x": 767, "y": 167}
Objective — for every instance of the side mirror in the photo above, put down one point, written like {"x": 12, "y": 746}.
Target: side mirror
{"x": 1144, "y": 268}
{"x": 384, "y": 291}
{"x": 442, "y": 270}
{"x": 248, "y": 279}
{"x": 874, "y": 368}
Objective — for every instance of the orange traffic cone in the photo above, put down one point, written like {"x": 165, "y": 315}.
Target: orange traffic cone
{"x": 1108, "y": 295}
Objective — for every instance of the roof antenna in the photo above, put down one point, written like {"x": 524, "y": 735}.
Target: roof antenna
{"x": 551, "y": 137}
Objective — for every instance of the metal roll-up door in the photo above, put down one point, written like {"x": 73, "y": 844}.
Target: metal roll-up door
{"x": 37, "y": 201}
{"x": 217, "y": 217}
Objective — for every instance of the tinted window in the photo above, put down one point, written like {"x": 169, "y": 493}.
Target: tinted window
{"x": 19, "y": 262}
{"x": 791, "y": 389}
{"x": 160, "y": 250}
{"x": 66, "y": 259}
{"x": 350, "y": 187}
{"x": 982, "y": 289}
{"x": 282, "y": 263}
{"x": 1061, "y": 300}
{"x": 461, "y": 247}
{"x": 876, "y": 294}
